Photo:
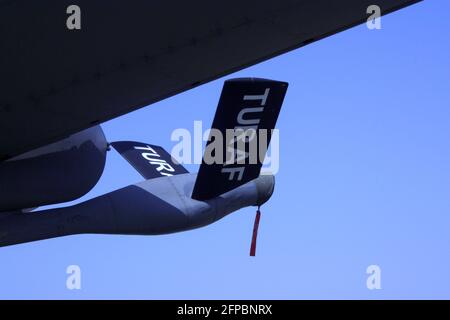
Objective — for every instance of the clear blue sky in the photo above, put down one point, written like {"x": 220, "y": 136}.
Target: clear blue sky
{"x": 364, "y": 179}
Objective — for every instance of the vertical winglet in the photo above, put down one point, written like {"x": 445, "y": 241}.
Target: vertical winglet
{"x": 246, "y": 105}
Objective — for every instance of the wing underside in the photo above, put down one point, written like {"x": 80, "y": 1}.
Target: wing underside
{"x": 56, "y": 81}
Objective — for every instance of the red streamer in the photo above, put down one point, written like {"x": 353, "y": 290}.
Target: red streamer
{"x": 255, "y": 233}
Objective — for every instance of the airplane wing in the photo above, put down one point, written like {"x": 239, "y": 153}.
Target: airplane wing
{"x": 129, "y": 54}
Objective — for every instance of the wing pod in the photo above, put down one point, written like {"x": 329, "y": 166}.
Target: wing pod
{"x": 171, "y": 199}
{"x": 59, "y": 172}
{"x": 151, "y": 207}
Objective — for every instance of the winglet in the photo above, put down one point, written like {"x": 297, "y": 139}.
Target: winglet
{"x": 149, "y": 160}
{"x": 250, "y": 108}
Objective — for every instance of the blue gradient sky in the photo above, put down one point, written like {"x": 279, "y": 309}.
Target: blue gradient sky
{"x": 364, "y": 179}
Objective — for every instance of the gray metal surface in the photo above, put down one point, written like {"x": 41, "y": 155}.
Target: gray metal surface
{"x": 152, "y": 207}
{"x": 55, "y": 173}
